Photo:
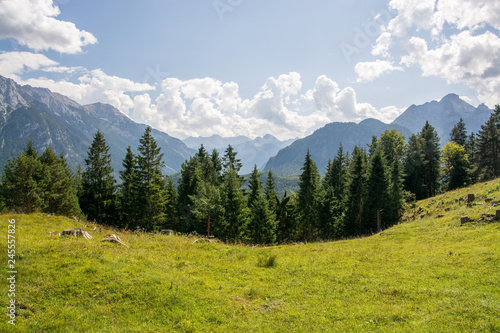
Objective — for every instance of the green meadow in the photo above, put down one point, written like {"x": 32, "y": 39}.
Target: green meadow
{"x": 429, "y": 273}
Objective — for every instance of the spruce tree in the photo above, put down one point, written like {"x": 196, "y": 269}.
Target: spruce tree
{"x": 150, "y": 183}
{"x": 308, "y": 199}
{"x": 270, "y": 192}
{"x": 58, "y": 186}
{"x": 488, "y": 147}
{"x": 356, "y": 194}
{"x": 286, "y": 218}
{"x": 127, "y": 194}
{"x": 413, "y": 167}
{"x": 97, "y": 200}
{"x": 171, "y": 212}
{"x": 20, "y": 186}
{"x": 235, "y": 208}
{"x": 190, "y": 184}
{"x": 208, "y": 210}
{"x": 262, "y": 223}
{"x": 377, "y": 208}
{"x": 459, "y": 133}
{"x": 432, "y": 160}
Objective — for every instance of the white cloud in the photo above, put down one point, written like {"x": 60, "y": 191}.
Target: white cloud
{"x": 456, "y": 40}
{"x": 91, "y": 86}
{"x": 473, "y": 60}
{"x": 33, "y": 24}
{"x": 13, "y": 64}
{"x": 369, "y": 71}
{"x": 196, "y": 108}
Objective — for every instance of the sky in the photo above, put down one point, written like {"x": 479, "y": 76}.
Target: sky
{"x": 254, "y": 67}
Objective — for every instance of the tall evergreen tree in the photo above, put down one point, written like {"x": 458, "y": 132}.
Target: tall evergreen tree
{"x": 488, "y": 147}
{"x": 20, "y": 186}
{"x": 235, "y": 208}
{"x": 308, "y": 199}
{"x": 262, "y": 223}
{"x": 332, "y": 197}
{"x": 459, "y": 133}
{"x": 270, "y": 192}
{"x": 58, "y": 186}
{"x": 97, "y": 200}
{"x": 286, "y": 218}
{"x": 432, "y": 160}
{"x": 356, "y": 194}
{"x": 190, "y": 184}
{"x": 171, "y": 211}
{"x": 413, "y": 167}
{"x": 150, "y": 183}
{"x": 377, "y": 208}
{"x": 127, "y": 194}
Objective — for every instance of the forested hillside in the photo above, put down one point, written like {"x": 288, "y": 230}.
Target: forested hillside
{"x": 361, "y": 193}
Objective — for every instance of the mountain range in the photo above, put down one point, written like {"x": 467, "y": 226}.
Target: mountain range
{"x": 51, "y": 119}
{"x": 251, "y": 152}
{"x": 323, "y": 144}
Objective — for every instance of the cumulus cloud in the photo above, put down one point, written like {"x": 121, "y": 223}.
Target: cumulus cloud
{"x": 455, "y": 40}
{"x": 202, "y": 107}
{"x": 369, "y": 71}
{"x": 13, "y": 64}
{"x": 90, "y": 86}
{"x": 33, "y": 23}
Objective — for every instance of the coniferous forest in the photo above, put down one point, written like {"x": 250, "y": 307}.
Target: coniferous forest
{"x": 360, "y": 193}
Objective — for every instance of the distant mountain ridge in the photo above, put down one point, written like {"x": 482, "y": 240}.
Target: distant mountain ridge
{"x": 51, "y": 119}
{"x": 444, "y": 115}
{"x": 251, "y": 152}
{"x": 324, "y": 142}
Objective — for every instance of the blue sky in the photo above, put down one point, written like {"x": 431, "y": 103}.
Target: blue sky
{"x": 234, "y": 67}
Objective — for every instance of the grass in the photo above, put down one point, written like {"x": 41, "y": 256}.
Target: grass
{"x": 427, "y": 274}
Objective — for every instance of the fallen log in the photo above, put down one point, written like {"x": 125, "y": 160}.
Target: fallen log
{"x": 113, "y": 240}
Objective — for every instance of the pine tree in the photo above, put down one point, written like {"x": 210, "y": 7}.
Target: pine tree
{"x": 190, "y": 184}
{"x": 356, "y": 194}
{"x": 127, "y": 195}
{"x": 208, "y": 210}
{"x": 488, "y": 147}
{"x": 57, "y": 185}
{"x": 270, "y": 192}
{"x": 235, "y": 208}
{"x": 255, "y": 187}
{"x": 308, "y": 199}
{"x": 20, "y": 186}
{"x": 98, "y": 186}
{"x": 394, "y": 148}
{"x": 150, "y": 183}
{"x": 413, "y": 167}
{"x": 333, "y": 196}
{"x": 171, "y": 212}
{"x": 262, "y": 223}
{"x": 286, "y": 218}
{"x": 455, "y": 166}
{"x": 377, "y": 208}
{"x": 432, "y": 160}
{"x": 459, "y": 133}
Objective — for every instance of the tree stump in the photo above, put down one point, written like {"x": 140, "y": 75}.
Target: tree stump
{"x": 470, "y": 198}
{"x": 497, "y": 215}
{"x": 464, "y": 219}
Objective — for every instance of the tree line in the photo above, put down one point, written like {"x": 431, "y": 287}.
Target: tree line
{"x": 360, "y": 193}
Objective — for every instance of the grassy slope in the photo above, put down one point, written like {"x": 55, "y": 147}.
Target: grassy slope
{"x": 428, "y": 274}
